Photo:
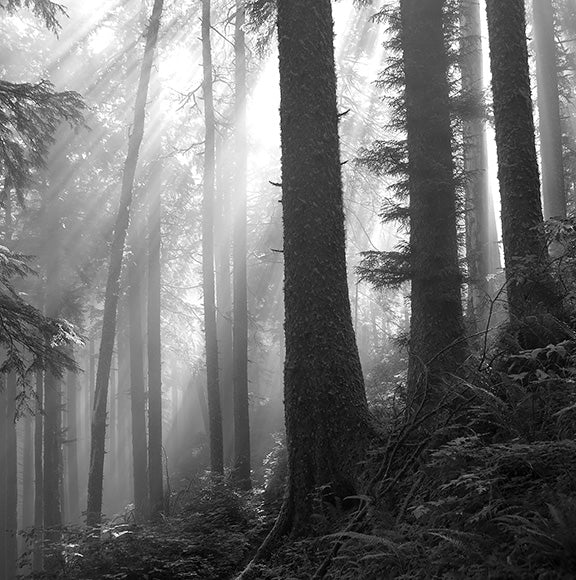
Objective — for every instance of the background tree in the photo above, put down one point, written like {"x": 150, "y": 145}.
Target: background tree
{"x": 436, "y": 325}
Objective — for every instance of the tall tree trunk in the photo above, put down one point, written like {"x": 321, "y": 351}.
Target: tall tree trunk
{"x": 98, "y": 431}
{"x": 213, "y": 388}
{"x": 154, "y": 206}
{"x": 28, "y": 472}
{"x": 327, "y": 418}
{"x": 137, "y": 381}
{"x": 73, "y": 487}
{"x": 3, "y": 479}
{"x": 436, "y": 324}
{"x": 38, "y": 473}
{"x": 531, "y": 290}
{"x": 11, "y": 475}
{"x": 482, "y": 252}
{"x": 241, "y": 472}
{"x": 553, "y": 193}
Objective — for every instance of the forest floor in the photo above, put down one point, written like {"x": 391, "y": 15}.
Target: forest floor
{"x": 482, "y": 487}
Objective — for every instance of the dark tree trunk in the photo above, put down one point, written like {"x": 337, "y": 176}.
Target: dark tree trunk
{"x": 482, "y": 252}
{"x": 213, "y": 388}
{"x": 530, "y": 287}
{"x": 553, "y": 193}
{"x": 327, "y": 418}
{"x": 437, "y": 347}
{"x": 98, "y": 431}
{"x": 28, "y": 472}
{"x": 11, "y": 474}
{"x": 241, "y": 472}
{"x": 3, "y": 481}
{"x": 38, "y": 473}
{"x": 137, "y": 382}
{"x": 155, "y": 477}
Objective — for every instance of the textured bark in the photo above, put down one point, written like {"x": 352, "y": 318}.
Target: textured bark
{"x": 28, "y": 472}
{"x": 155, "y": 477}
{"x": 241, "y": 472}
{"x": 482, "y": 252}
{"x": 530, "y": 287}
{"x": 137, "y": 383}
{"x": 98, "y": 430}
{"x": 3, "y": 514}
{"x": 327, "y": 418}
{"x": 436, "y": 325}
{"x": 213, "y": 388}
{"x": 553, "y": 193}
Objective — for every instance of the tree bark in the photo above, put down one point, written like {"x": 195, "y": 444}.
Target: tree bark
{"x": 38, "y": 473}
{"x": 3, "y": 479}
{"x": 482, "y": 252}
{"x": 241, "y": 472}
{"x": 11, "y": 475}
{"x": 327, "y": 418}
{"x": 553, "y": 193}
{"x": 213, "y": 388}
{"x": 137, "y": 382}
{"x": 73, "y": 488}
{"x": 98, "y": 430}
{"x": 155, "y": 473}
{"x": 437, "y": 346}
{"x": 531, "y": 290}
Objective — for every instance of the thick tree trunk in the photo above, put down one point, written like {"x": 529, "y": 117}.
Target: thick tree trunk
{"x": 437, "y": 347}
{"x": 213, "y": 388}
{"x": 137, "y": 382}
{"x": 241, "y": 472}
{"x": 530, "y": 287}
{"x": 482, "y": 252}
{"x": 155, "y": 474}
{"x": 327, "y": 418}
{"x": 98, "y": 431}
{"x": 553, "y": 193}
{"x": 28, "y": 472}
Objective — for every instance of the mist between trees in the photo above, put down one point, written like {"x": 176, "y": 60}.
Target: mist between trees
{"x": 287, "y": 289}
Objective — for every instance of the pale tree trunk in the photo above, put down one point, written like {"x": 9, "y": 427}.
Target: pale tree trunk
{"x": 213, "y": 388}
{"x": 553, "y": 193}
{"x": 241, "y": 472}
{"x": 3, "y": 481}
{"x": 73, "y": 488}
{"x": 98, "y": 431}
{"x": 154, "y": 207}
{"x": 137, "y": 380}
{"x": 481, "y": 238}
{"x": 28, "y": 472}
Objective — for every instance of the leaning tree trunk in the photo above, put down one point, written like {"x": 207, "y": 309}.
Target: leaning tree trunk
{"x": 213, "y": 388}
{"x": 98, "y": 431}
{"x": 553, "y": 194}
{"x": 327, "y": 418}
{"x": 436, "y": 325}
{"x": 241, "y": 472}
{"x": 531, "y": 290}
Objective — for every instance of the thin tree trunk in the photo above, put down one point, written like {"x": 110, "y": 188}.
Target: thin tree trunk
{"x": 11, "y": 474}
{"x": 155, "y": 471}
{"x": 137, "y": 382}
{"x": 553, "y": 193}
{"x": 98, "y": 431}
{"x": 241, "y": 472}
{"x": 28, "y": 473}
{"x": 481, "y": 240}
{"x": 3, "y": 479}
{"x": 38, "y": 473}
{"x": 72, "y": 448}
{"x": 214, "y": 408}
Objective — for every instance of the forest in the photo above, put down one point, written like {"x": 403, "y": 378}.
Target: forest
{"x": 288, "y": 289}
